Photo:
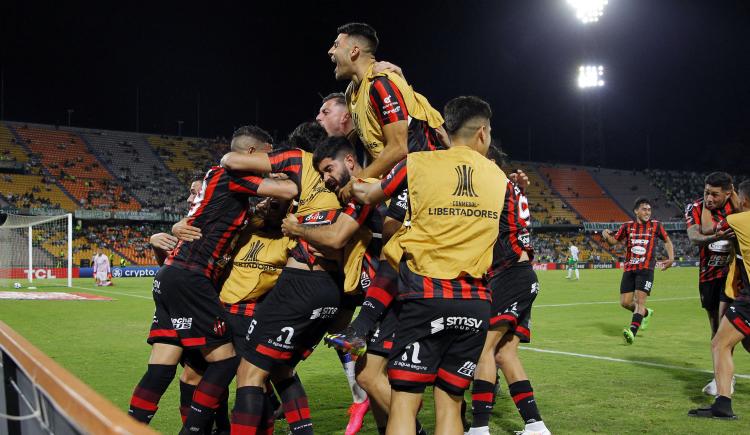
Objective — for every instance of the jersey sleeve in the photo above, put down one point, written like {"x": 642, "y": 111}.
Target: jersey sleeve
{"x": 288, "y": 162}
{"x": 244, "y": 182}
{"x": 692, "y": 214}
{"x": 661, "y": 232}
{"x": 396, "y": 180}
{"x": 358, "y": 212}
{"x": 387, "y": 101}
{"x": 621, "y": 232}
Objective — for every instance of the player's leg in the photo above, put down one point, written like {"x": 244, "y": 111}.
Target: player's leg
{"x": 193, "y": 367}
{"x": 709, "y": 294}
{"x": 576, "y": 271}
{"x": 447, "y": 412}
{"x": 372, "y": 376}
{"x": 569, "y": 270}
{"x": 294, "y": 399}
{"x": 483, "y": 387}
{"x": 403, "y": 412}
{"x": 734, "y": 327}
{"x": 250, "y": 414}
{"x": 162, "y": 368}
{"x": 627, "y": 288}
{"x": 519, "y": 385}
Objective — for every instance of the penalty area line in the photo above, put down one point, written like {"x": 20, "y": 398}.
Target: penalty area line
{"x": 684, "y": 298}
{"x": 619, "y": 360}
{"x": 111, "y": 292}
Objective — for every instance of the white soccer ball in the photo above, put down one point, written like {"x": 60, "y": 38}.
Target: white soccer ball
{"x": 16, "y": 285}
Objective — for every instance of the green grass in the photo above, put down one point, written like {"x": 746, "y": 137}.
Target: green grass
{"x": 103, "y": 343}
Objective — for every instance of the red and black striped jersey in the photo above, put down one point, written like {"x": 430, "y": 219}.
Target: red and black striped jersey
{"x": 740, "y": 280}
{"x": 219, "y": 210}
{"x": 514, "y": 237}
{"x": 389, "y": 104}
{"x": 415, "y": 286}
{"x": 714, "y": 257}
{"x": 640, "y": 243}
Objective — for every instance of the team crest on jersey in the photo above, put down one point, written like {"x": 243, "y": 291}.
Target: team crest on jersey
{"x": 220, "y": 328}
{"x": 465, "y": 187}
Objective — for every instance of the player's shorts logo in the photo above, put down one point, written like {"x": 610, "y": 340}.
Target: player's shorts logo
{"x": 182, "y": 323}
{"x": 117, "y": 272}
{"x": 467, "y": 369}
{"x": 323, "y": 313}
{"x": 465, "y": 186}
{"x": 437, "y": 325}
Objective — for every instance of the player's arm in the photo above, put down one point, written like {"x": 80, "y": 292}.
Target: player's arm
{"x": 258, "y": 163}
{"x": 613, "y": 240}
{"x": 670, "y": 254}
{"x": 698, "y": 238}
{"x": 394, "y": 150}
{"x": 374, "y": 193}
{"x": 333, "y": 236}
{"x": 269, "y": 187}
{"x": 184, "y": 231}
{"x": 162, "y": 243}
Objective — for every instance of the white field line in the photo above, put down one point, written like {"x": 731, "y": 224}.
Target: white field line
{"x": 684, "y": 298}
{"x": 610, "y": 359}
{"x": 112, "y": 292}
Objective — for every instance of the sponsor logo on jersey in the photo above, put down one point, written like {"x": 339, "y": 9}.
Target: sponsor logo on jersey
{"x": 638, "y": 250}
{"x": 182, "y": 323}
{"x": 722, "y": 246}
{"x": 467, "y": 369}
{"x": 463, "y": 323}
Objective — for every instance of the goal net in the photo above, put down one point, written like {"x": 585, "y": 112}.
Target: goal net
{"x": 37, "y": 251}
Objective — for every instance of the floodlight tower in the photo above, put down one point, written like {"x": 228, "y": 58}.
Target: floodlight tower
{"x": 590, "y": 81}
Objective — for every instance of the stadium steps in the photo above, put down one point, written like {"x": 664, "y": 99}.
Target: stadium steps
{"x": 22, "y": 143}
{"x": 626, "y": 186}
{"x": 84, "y": 174}
{"x": 20, "y": 184}
{"x": 184, "y": 156}
{"x": 541, "y": 193}
{"x": 579, "y": 189}
{"x": 10, "y": 147}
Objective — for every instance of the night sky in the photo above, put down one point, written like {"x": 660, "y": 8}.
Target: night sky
{"x": 677, "y": 71}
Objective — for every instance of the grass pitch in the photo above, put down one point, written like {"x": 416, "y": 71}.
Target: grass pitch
{"x": 585, "y": 379}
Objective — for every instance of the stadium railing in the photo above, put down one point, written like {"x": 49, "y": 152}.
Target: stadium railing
{"x": 39, "y": 396}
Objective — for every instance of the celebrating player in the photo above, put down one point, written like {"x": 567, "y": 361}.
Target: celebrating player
{"x": 735, "y": 325}
{"x": 639, "y": 237}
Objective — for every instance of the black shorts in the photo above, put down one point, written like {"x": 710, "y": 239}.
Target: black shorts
{"x": 739, "y": 315}
{"x": 712, "y": 292}
{"x": 633, "y": 280}
{"x": 438, "y": 342}
{"x": 380, "y": 341}
{"x": 240, "y": 317}
{"x": 188, "y": 311}
{"x": 292, "y": 319}
{"x": 513, "y": 292}
{"x": 399, "y": 205}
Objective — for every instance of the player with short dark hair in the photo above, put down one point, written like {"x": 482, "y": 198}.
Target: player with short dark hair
{"x": 735, "y": 325}
{"x": 639, "y": 237}
{"x": 188, "y": 312}
{"x": 715, "y": 249}
{"x": 441, "y": 257}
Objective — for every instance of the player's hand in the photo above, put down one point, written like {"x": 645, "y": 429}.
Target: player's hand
{"x": 666, "y": 264}
{"x": 345, "y": 193}
{"x": 185, "y": 232}
{"x": 164, "y": 241}
{"x": 289, "y": 225}
{"x": 519, "y": 178}
{"x": 606, "y": 233}
{"x": 725, "y": 234}
{"x": 383, "y": 66}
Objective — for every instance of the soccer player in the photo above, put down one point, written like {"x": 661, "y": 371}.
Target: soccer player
{"x": 715, "y": 250}
{"x": 639, "y": 237}
{"x": 101, "y": 269}
{"x": 295, "y": 315}
{"x": 188, "y": 312}
{"x": 573, "y": 261}
{"x": 514, "y": 287}
{"x": 735, "y": 325}
{"x": 441, "y": 258}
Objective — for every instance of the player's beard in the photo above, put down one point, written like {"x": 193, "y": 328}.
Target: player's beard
{"x": 345, "y": 177}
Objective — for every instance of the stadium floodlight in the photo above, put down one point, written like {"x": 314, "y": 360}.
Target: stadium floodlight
{"x": 590, "y": 76}
{"x": 588, "y": 11}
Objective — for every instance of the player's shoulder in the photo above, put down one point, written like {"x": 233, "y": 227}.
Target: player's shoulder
{"x": 698, "y": 203}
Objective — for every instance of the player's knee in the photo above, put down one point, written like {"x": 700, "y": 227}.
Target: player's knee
{"x": 190, "y": 376}
{"x": 506, "y": 356}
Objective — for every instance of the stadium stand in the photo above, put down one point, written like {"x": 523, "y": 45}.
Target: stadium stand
{"x": 65, "y": 156}
{"x": 183, "y": 155}
{"x": 137, "y": 167}
{"x": 625, "y": 187}
{"x": 33, "y": 191}
{"x": 20, "y": 258}
{"x": 579, "y": 189}
{"x": 546, "y": 207}
{"x": 11, "y": 151}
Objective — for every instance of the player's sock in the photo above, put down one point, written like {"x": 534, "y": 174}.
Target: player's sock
{"x": 379, "y": 297}
{"x": 296, "y": 408}
{"x": 221, "y": 417}
{"x": 523, "y": 396}
{"x": 636, "y": 322}
{"x": 722, "y": 405}
{"x": 186, "y": 398}
{"x": 358, "y": 394}
{"x": 209, "y": 393}
{"x": 381, "y": 430}
{"x": 577, "y": 275}
{"x": 267, "y": 418}
{"x": 482, "y": 399}
{"x": 153, "y": 384}
{"x": 272, "y": 399}
{"x": 248, "y": 412}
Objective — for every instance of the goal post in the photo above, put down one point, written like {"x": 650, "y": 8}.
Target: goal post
{"x": 36, "y": 250}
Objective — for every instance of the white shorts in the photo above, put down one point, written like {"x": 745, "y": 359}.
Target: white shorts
{"x": 101, "y": 276}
